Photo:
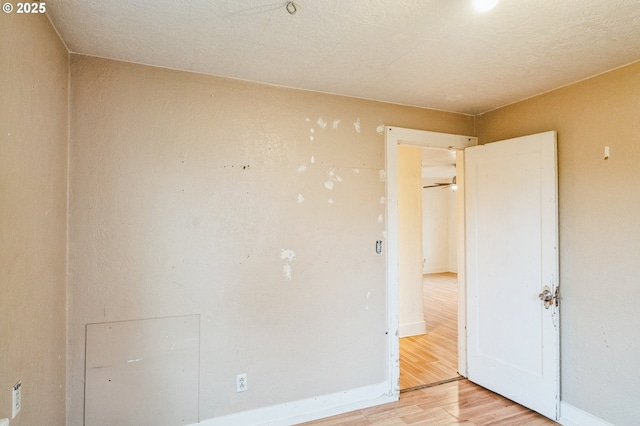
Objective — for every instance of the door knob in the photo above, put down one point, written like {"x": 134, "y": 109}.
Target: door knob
{"x": 547, "y": 296}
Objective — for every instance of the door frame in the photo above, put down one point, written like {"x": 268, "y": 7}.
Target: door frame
{"x": 425, "y": 139}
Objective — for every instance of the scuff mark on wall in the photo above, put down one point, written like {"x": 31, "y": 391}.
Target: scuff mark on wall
{"x": 335, "y": 124}
{"x": 330, "y": 201}
{"x": 300, "y": 198}
{"x": 356, "y": 171}
{"x": 301, "y": 168}
{"x": 383, "y": 175}
{"x": 313, "y": 159}
{"x": 380, "y": 218}
{"x": 356, "y": 125}
{"x": 311, "y": 138}
{"x": 380, "y": 129}
{"x": 322, "y": 123}
{"x": 329, "y": 185}
{"x": 367, "y": 303}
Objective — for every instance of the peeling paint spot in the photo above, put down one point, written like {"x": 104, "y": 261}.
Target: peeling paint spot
{"x": 384, "y": 235}
{"x": 382, "y": 200}
{"x": 383, "y": 175}
{"x": 307, "y": 119}
{"x": 356, "y": 171}
{"x": 380, "y": 218}
{"x": 322, "y": 123}
{"x": 300, "y": 198}
{"x": 333, "y": 176}
{"x": 356, "y": 125}
{"x": 311, "y": 138}
{"x": 330, "y": 201}
{"x": 380, "y": 129}
{"x": 368, "y": 296}
{"x": 312, "y": 130}
{"x": 135, "y": 360}
{"x": 288, "y": 255}
{"x": 286, "y": 271}
{"x": 313, "y": 159}
{"x": 301, "y": 168}
{"x": 335, "y": 124}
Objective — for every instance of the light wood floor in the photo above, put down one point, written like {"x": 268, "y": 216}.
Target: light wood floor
{"x": 455, "y": 403}
{"x": 433, "y": 357}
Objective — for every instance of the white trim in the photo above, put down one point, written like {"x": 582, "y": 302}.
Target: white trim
{"x": 393, "y": 137}
{"x": 572, "y": 416}
{"x": 412, "y": 329}
{"x": 307, "y": 409}
{"x": 461, "y": 269}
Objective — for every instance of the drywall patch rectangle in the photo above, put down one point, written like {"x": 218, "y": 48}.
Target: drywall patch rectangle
{"x": 142, "y": 372}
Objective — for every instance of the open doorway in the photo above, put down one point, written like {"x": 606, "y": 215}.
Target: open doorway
{"x": 418, "y": 138}
{"x": 432, "y": 358}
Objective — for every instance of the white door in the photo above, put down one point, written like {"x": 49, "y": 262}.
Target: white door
{"x": 512, "y": 255}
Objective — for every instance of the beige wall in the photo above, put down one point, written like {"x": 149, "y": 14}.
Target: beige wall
{"x": 186, "y": 189}
{"x": 34, "y": 66}
{"x": 599, "y": 205}
{"x": 411, "y": 315}
{"x": 436, "y": 238}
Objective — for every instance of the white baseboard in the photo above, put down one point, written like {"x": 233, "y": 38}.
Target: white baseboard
{"x": 572, "y": 416}
{"x": 412, "y": 329}
{"x": 308, "y": 409}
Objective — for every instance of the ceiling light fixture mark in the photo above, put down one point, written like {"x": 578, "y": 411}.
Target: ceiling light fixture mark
{"x": 292, "y": 8}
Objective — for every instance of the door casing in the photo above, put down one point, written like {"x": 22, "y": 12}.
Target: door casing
{"x": 425, "y": 139}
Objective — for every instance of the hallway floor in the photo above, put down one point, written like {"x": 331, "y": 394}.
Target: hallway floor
{"x": 433, "y": 357}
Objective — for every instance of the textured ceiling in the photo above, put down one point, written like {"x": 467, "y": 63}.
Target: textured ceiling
{"x": 432, "y": 53}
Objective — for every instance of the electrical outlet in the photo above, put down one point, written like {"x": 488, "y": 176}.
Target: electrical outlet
{"x": 241, "y": 382}
{"x": 16, "y": 400}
